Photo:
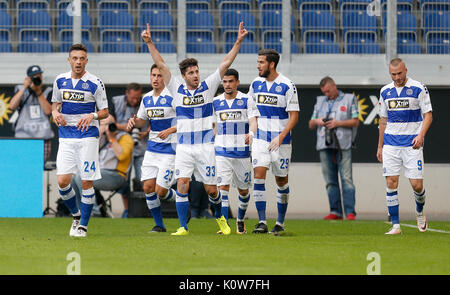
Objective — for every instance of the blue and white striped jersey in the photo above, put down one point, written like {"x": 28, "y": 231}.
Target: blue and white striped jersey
{"x": 161, "y": 114}
{"x": 404, "y": 108}
{"x": 79, "y": 97}
{"x": 194, "y": 109}
{"x": 274, "y": 100}
{"x": 232, "y": 117}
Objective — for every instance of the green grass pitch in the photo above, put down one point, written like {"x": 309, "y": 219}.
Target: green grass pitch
{"x": 309, "y": 247}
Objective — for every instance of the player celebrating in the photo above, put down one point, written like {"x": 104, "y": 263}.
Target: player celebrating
{"x": 405, "y": 117}
{"x": 159, "y": 159}
{"x": 76, "y": 96}
{"x": 277, "y": 102}
{"x": 235, "y": 127}
{"x": 195, "y": 145}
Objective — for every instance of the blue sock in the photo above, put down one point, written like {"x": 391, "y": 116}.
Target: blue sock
{"x": 393, "y": 205}
{"x": 87, "y": 203}
{"x": 420, "y": 200}
{"x": 68, "y": 196}
{"x": 282, "y": 203}
{"x": 182, "y": 205}
{"x": 170, "y": 196}
{"x": 243, "y": 204}
{"x": 225, "y": 204}
{"x": 259, "y": 194}
{"x": 154, "y": 204}
{"x": 216, "y": 204}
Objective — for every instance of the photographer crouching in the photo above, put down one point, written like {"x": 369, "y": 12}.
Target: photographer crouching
{"x": 33, "y": 106}
{"x": 115, "y": 155}
{"x": 335, "y": 117}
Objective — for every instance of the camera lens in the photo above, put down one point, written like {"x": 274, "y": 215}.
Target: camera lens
{"x": 112, "y": 127}
{"x": 36, "y": 81}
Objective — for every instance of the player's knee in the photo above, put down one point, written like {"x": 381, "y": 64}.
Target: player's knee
{"x": 211, "y": 190}
{"x": 281, "y": 181}
{"x": 417, "y": 186}
{"x": 243, "y": 192}
{"x": 392, "y": 183}
{"x": 148, "y": 187}
{"x": 161, "y": 192}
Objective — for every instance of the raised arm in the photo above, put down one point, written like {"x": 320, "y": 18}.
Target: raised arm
{"x": 229, "y": 58}
{"x": 157, "y": 58}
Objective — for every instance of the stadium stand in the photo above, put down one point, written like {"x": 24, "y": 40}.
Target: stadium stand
{"x": 317, "y": 27}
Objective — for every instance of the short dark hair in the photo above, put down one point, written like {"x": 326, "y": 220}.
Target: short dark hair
{"x": 186, "y": 63}
{"x": 396, "y": 61}
{"x": 78, "y": 46}
{"x": 232, "y": 72}
{"x": 326, "y": 80}
{"x": 134, "y": 86}
{"x": 271, "y": 55}
{"x": 154, "y": 66}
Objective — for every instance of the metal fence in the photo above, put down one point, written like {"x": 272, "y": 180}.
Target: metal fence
{"x": 210, "y": 26}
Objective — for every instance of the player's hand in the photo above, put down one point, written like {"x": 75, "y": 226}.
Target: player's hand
{"x": 242, "y": 32}
{"x": 248, "y": 139}
{"x": 59, "y": 118}
{"x": 131, "y": 123}
{"x": 380, "y": 154}
{"x": 84, "y": 122}
{"x": 145, "y": 35}
{"x": 417, "y": 142}
{"x": 165, "y": 133}
{"x": 274, "y": 145}
{"x": 331, "y": 124}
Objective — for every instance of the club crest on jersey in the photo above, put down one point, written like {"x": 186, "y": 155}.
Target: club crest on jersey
{"x": 399, "y": 104}
{"x": 72, "y": 95}
{"x": 155, "y": 113}
{"x": 409, "y": 92}
{"x": 85, "y": 86}
{"x": 240, "y": 102}
{"x": 268, "y": 99}
{"x": 235, "y": 115}
{"x": 278, "y": 89}
{"x": 163, "y": 100}
{"x": 194, "y": 100}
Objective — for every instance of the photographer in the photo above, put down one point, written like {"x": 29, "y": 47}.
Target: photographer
{"x": 115, "y": 153}
{"x": 122, "y": 108}
{"x": 33, "y": 105}
{"x": 335, "y": 117}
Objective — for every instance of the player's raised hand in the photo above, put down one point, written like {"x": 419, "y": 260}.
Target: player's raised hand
{"x": 131, "y": 123}
{"x": 146, "y": 35}
{"x": 242, "y": 32}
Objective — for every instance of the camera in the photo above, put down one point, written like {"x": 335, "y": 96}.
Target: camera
{"x": 328, "y": 133}
{"x": 112, "y": 127}
{"x": 36, "y": 80}
{"x": 135, "y": 135}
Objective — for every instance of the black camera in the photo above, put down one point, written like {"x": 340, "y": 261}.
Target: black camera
{"x": 36, "y": 80}
{"x": 135, "y": 135}
{"x": 112, "y": 127}
{"x": 328, "y": 133}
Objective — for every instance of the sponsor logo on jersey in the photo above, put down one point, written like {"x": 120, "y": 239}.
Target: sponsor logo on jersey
{"x": 73, "y": 95}
{"x": 155, "y": 113}
{"x": 234, "y": 115}
{"x": 194, "y": 100}
{"x": 398, "y": 104}
{"x": 268, "y": 99}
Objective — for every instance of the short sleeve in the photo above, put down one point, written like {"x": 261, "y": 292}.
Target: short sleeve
{"x": 292, "y": 99}
{"x": 252, "y": 109}
{"x": 100, "y": 96}
{"x": 382, "y": 111}
{"x": 315, "y": 114}
{"x": 213, "y": 83}
{"x": 173, "y": 86}
{"x": 56, "y": 96}
{"x": 141, "y": 114}
{"x": 425, "y": 100}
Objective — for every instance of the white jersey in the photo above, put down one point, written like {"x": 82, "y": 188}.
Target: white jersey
{"x": 232, "y": 117}
{"x": 274, "y": 100}
{"x": 404, "y": 108}
{"x": 79, "y": 97}
{"x": 161, "y": 114}
{"x": 194, "y": 109}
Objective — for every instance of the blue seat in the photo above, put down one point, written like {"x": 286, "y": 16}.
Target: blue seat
{"x": 103, "y": 5}
{"x": 268, "y": 5}
{"x": 434, "y": 5}
{"x": 406, "y": 22}
{"x": 35, "y": 46}
{"x": 5, "y": 23}
{"x": 198, "y": 4}
{"x": 248, "y": 45}
{"x": 407, "y": 44}
{"x": 34, "y": 20}
{"x": 199, "y": 20}
{"x": 159, "y": 20}
{"x": 65, "y": 22}
{"x": 436, "y": 22}
{"x": 313, "y": 5}
{"x": 438, "y": 43}
{"x": 358, "y": 21}
{"x": 116, "y": 20}
{"x": 273, "y": 21}
{"x": 402, "y": 5}
{"x": 318, "y": 21}
{"x": 117, "y": 42}
{"x": 5, "y": 45}
{"x": 62, "y": 4}
{"x": 153, "y": 4}
{"x": 361, "y": 43}
{"x": 230, "y": 20}
{"x": 352, "y": 5}
{"x": 32, "y": 4}
{"x": 4, "y": 4}
{"x": 320, "y": 43}
{"x": 200, "y": 42}
{"x": 234, "y": 4}
{"x": 163, "y": 42}
{"x": 273, "y": 40}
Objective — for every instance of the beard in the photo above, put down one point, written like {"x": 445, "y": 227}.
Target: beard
{"x": 265, "y": 74}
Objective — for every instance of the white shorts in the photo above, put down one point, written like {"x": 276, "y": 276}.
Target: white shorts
{"x": 159, "y": 166}
{"x": 79, "y": 156}
{"x": 396, "y": 157}
{"x": 234, "y": 170}
{"x": 199, "y": 159}
{"x": 279, "y": 159}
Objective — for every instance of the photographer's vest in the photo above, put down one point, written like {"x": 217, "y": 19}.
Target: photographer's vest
{"x": 342, "y": 108}
{"x": 108, "y": 159}
{"x": 124, "y": 112}
{"x": 32, "y": 122}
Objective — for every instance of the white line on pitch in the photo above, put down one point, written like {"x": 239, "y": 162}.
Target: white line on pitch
{"x": 429, "y": 229}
